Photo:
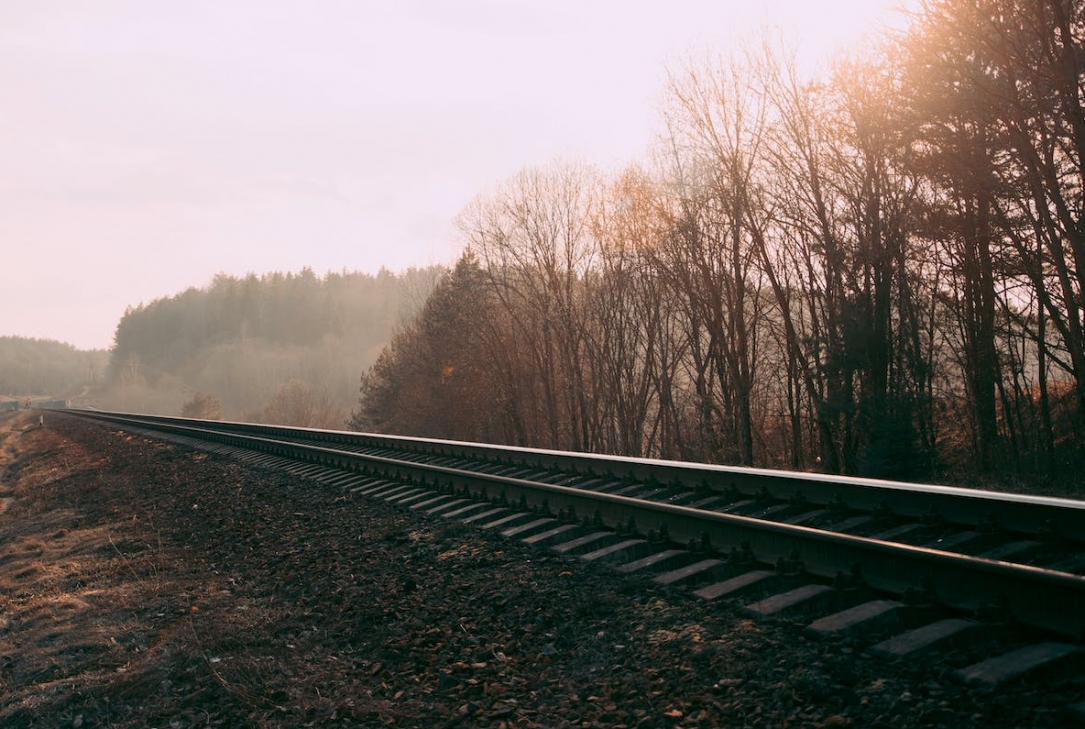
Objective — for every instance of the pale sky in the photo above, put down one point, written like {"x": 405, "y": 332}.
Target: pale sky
{"x": 146, "y": 145}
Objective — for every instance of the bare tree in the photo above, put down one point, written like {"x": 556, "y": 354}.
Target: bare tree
{"x": 297, "y": 403}
{"x": 838, "y": 253}
{"x": 202, "y": 406}
{"x": 715, "y": 130}
{"x": 629, "y": 342}
{"x": 532, "y": 238}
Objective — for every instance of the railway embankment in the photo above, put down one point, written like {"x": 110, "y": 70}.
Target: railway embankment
{"x": 147, "y": 584}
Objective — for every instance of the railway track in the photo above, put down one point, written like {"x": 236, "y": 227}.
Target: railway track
{"x": 903, "y": 568}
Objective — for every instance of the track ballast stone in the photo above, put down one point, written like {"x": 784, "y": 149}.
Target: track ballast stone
{"x": 148, "y": 585}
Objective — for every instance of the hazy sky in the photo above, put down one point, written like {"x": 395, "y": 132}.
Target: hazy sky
{"x": 146, "y": 146}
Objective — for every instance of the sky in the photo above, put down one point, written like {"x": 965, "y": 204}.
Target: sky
{"x": 147, "y": 146}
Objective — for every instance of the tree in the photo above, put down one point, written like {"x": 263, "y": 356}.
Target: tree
{"x": 1001, "y": 85}
{"x": 532, "y": 239}
{"x": 954, "y": 154}
{"x": 715, "y": 132}
{"x": 296, "y": 403}
{"x": 203, "y": 407}
{"x": 442, "y": 376}
{"x": 629, "y": 340}
{"x": 840, "y": 257}
{"x": 817, "y": 273}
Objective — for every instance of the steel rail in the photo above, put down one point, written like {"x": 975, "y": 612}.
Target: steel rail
{"x": 1044, "y": 599}
{"x": 1025, "y": 514}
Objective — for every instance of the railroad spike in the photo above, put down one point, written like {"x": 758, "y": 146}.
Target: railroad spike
{"x": 922, "y": 595}
{"x": 791, "y": 565}
{"x": 741, "y": 556}
{"x": 850, "y": 580}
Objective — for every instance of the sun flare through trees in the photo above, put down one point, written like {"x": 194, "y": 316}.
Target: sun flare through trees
{"x": 881, "y": 272}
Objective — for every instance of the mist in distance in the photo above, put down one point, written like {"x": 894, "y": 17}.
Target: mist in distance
{"x": 148, "y": 147}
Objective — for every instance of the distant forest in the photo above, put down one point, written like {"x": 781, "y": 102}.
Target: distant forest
{"x": 282, "y": 347}
{"x": 45, "y": 368}
{"x": 880, "y": 273}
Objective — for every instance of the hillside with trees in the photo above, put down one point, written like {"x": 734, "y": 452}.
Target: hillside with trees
{"x": 282, "y": 347}
{"x": 881, "y": 272}
{"x": 46, "y": 368}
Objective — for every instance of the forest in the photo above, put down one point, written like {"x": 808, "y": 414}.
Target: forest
{"x": 277, "y": 348}
{"x": 46, "y": 368}
{"x": 880, "y": 272}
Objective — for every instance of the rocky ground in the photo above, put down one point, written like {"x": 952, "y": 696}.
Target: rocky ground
{"x": 146, "y": 585}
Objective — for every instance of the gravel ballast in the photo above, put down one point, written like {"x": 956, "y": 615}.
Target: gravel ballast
{"x": 147, "y": 585}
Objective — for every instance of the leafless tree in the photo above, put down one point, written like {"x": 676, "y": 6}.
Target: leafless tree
{"x": 202, "y": 406}
{"x": 715, "y": 131}
{"x": 532, "y": 238}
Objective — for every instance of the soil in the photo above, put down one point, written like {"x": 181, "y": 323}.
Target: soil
{"x": 148, "y": 585}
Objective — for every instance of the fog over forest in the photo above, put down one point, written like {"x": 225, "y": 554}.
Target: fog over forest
{"x": 281, "y": 348}
{"x": 249, "y": 343}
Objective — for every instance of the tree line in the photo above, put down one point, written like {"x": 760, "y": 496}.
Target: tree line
{"x": 281, "y": 347}
{"x": 44, "y": 367}
{"x": 880, "y": 272}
